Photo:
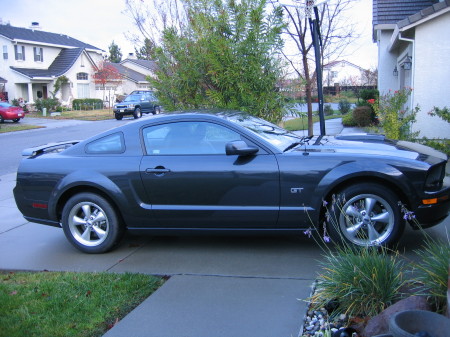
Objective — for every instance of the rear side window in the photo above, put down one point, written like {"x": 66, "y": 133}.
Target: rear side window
{"x": 112, "y": 144}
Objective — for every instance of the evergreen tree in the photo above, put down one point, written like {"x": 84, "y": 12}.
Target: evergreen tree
{"x": 115, "y": 55}
{"x": 225, "y": 57}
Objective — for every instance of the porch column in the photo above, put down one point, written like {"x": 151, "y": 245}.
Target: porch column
{"x": 30, "y": 93}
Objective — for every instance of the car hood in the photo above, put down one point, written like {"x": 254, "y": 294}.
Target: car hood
{"x": 376, "y": 145}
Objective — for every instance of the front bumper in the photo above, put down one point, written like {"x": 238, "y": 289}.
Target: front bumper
{"x": 428, "y": 215}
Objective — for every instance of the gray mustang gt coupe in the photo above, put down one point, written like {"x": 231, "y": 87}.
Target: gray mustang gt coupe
{"x": 229, "y": 173}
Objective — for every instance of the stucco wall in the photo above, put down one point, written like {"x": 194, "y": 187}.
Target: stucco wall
{"x": 386, "y": 63}
{"x": 432, "y": 75}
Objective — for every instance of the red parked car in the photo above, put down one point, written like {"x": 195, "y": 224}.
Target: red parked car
{"x": 10, "y": 112}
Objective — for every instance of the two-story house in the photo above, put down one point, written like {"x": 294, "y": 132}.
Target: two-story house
{"x": 413, "y": 38}
{"x": 32, "y": 60}
{"x": 343, "y": 73}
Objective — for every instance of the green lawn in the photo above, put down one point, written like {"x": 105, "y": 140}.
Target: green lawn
{"x": 68, "y": 304}
{"x": 302, "y": 123}
{"x": 87, "y": 115}
{"x": 12, "y": 127}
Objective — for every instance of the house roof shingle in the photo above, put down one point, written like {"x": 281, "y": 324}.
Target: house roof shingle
{"x": 35, "y": 35}
{"x": 393, "y": 11}
{"x": 62, "y": 63}
{"x": 129, "y": 73}
{"x": 150, "y": 65}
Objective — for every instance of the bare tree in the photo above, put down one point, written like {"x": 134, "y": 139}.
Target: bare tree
{"x": 151, "y": 17}
{"x": 337, "y": 32}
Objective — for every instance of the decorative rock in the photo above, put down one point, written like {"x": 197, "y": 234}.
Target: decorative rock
{"x": 380, "y": 324}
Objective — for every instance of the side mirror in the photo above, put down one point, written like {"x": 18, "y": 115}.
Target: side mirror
{"x": 240, "y": 148}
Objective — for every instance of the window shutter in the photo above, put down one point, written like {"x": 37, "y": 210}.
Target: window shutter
{"x": 42, "y": 54}
{"x": 15, "y": 52}
{"x": 23, "y": 53}
{"x": 35, "y": 54}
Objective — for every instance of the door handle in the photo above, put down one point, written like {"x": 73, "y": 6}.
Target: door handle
{"x": 159, "y": 170}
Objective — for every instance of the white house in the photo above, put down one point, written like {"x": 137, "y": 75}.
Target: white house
{"x": 413, "y": 38}
{"x": 343, "y": 73}
{"x": 32, "y": 60}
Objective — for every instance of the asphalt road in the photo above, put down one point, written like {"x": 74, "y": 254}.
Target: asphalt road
{"x": 13, "y": 143}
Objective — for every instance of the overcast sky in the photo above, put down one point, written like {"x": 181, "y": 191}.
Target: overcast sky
{"x": 99, "y": 22}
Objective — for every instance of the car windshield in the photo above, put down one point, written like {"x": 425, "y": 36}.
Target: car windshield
{"x": 132, "y": 98}
{"x": 5, "y": 105}
{"x": 272, "y": 133}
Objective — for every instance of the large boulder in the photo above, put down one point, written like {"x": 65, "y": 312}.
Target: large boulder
{"x": 380, "y": 324}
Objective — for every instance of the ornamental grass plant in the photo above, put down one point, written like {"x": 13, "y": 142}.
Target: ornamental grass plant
{"x": 359, "y": 281}
{"x": 433, "y": 271}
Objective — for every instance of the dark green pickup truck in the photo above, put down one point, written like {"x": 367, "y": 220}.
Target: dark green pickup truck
{"x": 137, "y": 103}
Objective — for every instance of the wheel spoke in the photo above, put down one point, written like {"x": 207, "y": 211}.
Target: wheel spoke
{"x": 77, "y": 221}
{"x": 86, "y": 234}
{"x": 86, "y": 210}
{"x": 100, "y": 232}
{"x": 373, "y": 234}
{"x": 382, "y": 217}
{"x": 353, "y": 230}
{"x": 100, "y": 216}
{"x": 352, "y": 211}
{"x": 369, "y": 204}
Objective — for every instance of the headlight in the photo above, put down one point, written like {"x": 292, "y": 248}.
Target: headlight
{"x": 435, "y": 178}
{"x": 131, "y": 105}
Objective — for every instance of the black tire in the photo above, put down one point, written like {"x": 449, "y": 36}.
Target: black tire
{"x": 366, "y": 215}
{"x": 137, "y": 113}
{"x": 16, "y": 120}
{"x": 118, "y": 116}
{"x": 91, "y": 224}
{"x": 2, "y": 120}
{"x": 157, "y": 110}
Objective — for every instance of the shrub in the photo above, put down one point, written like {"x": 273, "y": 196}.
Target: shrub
{"x": 367, "y": 94}
{"x": 87, "y": 104}
{"x": 344, "y": 106}
{"x": 359, "y": 281}
{"x": 395, "y": 120}
{"x": 51, "y": 104}
{"x": 328, "y": 110}
{"x": 362, "y": 115}
{"x": 348, "y": 120}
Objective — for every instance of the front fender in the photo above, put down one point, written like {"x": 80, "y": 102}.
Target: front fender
{"x": 370, "y": 171}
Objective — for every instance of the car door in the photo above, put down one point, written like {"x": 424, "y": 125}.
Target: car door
{"x": 192, "y": 183}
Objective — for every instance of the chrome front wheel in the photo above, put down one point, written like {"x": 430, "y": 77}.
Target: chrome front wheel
{"x": 368, "y": 215}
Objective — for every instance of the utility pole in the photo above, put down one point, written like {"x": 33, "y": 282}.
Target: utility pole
{"x": 314, "y": 25}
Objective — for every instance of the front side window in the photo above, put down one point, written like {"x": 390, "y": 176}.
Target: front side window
{"x": 188, "y": 138}
{"x": 19, "y": 52}
{"x": 38, "y": 54}
{"x": 5, "y": 52}
{"x": 82, "y": 76}
{"x": 112, "y": 144}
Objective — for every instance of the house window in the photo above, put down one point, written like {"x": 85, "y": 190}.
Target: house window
{"x": 83, "y": 90}
{"x": 334, "y": 74}
{"x": 82, "y": 76}
{"x": 38, "y": 54}
{"x": 5, "y": 52}
{"x": 19, "y": 52}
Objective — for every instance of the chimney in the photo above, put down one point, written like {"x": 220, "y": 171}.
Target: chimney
{"x": 131, "y": 56}
{"x": 35, "y": 25}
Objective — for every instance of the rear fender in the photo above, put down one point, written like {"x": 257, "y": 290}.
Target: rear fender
{"x": 79, "y": 180}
